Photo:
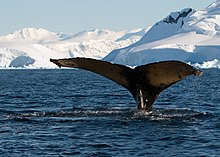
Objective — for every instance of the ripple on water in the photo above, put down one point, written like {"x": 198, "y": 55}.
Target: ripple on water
{"x": 76, "y": 113}
{"x": 120, "y": 114}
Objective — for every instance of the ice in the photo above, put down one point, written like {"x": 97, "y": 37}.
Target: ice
{"x": 187, "y": 35}
{"x": 209, "y": 64}
{"x": 33, "y": 47}
{"x": 21, "y": 61}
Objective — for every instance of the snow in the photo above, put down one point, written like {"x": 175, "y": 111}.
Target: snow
{"x": 134, "y": 33}
{"x": 21, "y": 61}
{"x": 36, "y": 35}
{"x": 187, "y": 35}
{"x": 205, "y": 21}
{"x": 209, "y": 64}
{"x": 40, "y": 55}
{"x": 33, "y": 47}
{"x": 167, "y": 27}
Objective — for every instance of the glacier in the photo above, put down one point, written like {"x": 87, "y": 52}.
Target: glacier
{"x": 187, "y": 35}
{"x": 33, "y": 47}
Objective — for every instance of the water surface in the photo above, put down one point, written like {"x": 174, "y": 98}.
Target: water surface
{"x": 78, "y": 113}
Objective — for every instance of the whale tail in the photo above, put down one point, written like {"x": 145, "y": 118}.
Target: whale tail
{"x": 144, "y": 82}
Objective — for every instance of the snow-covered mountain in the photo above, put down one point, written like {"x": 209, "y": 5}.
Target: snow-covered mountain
{"x": 33, "y": 47}
{"x": 36, "y": 35}
{"x": 188, "y": 35}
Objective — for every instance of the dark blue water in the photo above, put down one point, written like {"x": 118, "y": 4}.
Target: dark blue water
{"x": 78, "y": 113}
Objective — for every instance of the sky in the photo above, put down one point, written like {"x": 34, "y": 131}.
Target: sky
{"x": 72, "y": 16}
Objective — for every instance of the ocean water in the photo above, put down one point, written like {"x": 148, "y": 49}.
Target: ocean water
{"x": 67, "y": 112}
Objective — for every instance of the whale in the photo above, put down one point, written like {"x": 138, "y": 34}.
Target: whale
{"x": 144, "y": 82}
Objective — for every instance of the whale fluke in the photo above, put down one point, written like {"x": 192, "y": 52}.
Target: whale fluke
{"x": 144, "y": 82}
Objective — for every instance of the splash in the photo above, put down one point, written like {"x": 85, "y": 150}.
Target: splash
{"x": 169, "y": 114}
{"x": 120, "y": 114}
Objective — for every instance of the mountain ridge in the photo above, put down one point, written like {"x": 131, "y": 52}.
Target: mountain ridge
{"x": 187, "y": 35}
{"x": 33, "y": 47}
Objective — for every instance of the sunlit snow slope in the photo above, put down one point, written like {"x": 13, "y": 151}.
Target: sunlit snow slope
{"x": 189, "y": 35}
{"x": 32, "y": 47}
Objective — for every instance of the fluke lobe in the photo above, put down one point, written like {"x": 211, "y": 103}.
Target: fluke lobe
{"x": 144, "y": 82}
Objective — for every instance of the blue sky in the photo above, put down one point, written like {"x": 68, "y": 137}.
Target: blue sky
{"x": 72, "y": 16}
